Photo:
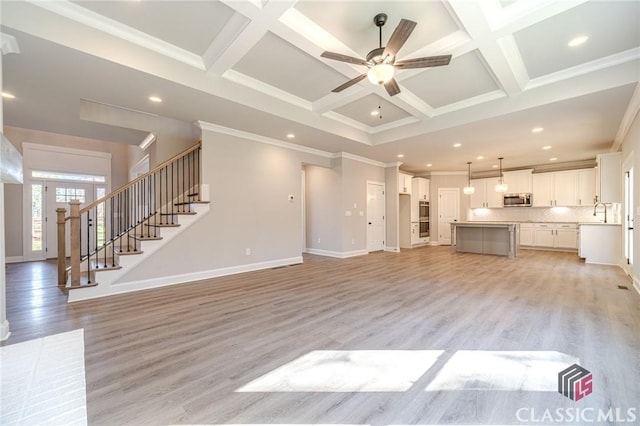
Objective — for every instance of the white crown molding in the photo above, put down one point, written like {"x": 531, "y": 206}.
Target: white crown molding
{"x": 627, "y": 120}
{"x": 359, "y": 158}
{"x": 456, "y": 173}
{"x": 467, "y": 103}
{"x": 347, "y": 121}
{"x": 589, "y": 67}
{"x": 393, "y": 124}
{"x": 245, "y": 80}
{"x": 99, "y": 22}
{"x": 394, "y": 164}
{"x": 262, "y": 139}
{"x": 64, "y": 150}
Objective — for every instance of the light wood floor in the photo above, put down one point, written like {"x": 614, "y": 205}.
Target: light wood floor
{"x": 178, "y": 354}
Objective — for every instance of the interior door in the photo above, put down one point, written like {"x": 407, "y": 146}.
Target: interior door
{"x": 448, "y": 211}
{"x": 58, "y": 195}
{"x": 375, "y": 216}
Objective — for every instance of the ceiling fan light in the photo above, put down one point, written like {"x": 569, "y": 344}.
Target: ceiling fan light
{"x": 380, "y": 73}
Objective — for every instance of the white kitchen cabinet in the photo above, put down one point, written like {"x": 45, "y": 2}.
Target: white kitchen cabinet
{"x": 415, "y": 233}
{"x": 566, "y": 236}
{"x": 422, "y": 188}
{"x": 555, "y": 235}
{"x": 518, "y": 182}
{"x": 526, "y": 234}
{"x": 543, "y": 235}
{"x": 609, "y": 177}
{"x": 404, "y": 183}
{"x": 555, "y": 189}
{"x": 485, "y": 195}
{"x": 601, "y": 243}
{"x": 586, "y": 187}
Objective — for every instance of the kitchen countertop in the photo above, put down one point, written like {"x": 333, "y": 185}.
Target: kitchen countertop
{"x": 599, "y": 223}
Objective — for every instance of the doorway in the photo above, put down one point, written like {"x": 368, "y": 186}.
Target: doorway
{"x": 448, "y": 211}
{"x": 375, "y": 216}
{"x": 628, "y": 216}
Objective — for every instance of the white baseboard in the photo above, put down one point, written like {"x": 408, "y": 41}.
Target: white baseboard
{"x": 13, "y": 259}
{"x": 336, "y": 254}
{"x": 434, "y": 243}
{"x": 392, "y": 249}
{"x": 200, "y": 275}
{"x": 4, "y": 330}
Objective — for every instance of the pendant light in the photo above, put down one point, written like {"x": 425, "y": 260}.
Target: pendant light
{"x": 501, "y": 186}
{"x": 468, "y": 190}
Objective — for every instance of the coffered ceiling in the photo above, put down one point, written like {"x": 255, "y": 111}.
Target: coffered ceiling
{"x": 255, "y": 66}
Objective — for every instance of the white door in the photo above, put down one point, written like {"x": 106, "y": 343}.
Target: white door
{"x": 58, "y": 194}
{"x": 448, "y": 211}
{"x": 628, "y": 220}
{"x": 375, "y": 216}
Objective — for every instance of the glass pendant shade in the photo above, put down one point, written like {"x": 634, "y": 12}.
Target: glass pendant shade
{"x": 380, "y": 73}
{"x": 468, "y": 190}
{"x": 501, "y": 186}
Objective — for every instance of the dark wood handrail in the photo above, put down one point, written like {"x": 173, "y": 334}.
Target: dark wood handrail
{"x": 139, "y": 178}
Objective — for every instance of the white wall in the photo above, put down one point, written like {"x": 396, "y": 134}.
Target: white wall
{"x": 323, "y": 198}
{"x": 249, "y": 184}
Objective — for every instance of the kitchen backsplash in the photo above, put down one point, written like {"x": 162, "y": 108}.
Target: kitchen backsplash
{"x": 545, "y": 214}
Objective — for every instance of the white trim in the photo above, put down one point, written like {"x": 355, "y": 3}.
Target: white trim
{"x": 434, "y": 243}
{"x": 336, "y": 254}
{"x": 394, "y": 164}
{"x": 392, "y": 249}
{"x": 14, "y": 259}
{"x": 627, "y": 120}
{"x": 190, "y": 277}
{"x": 117, "y": 29}
{"x": 636, "y": 284}
{"x": 65, "y": 150}
{"x": 4, "y": 331}
{"x": 267, "y": 89}
{"x": 448, "y": 173}
{"x": 360, "y": 159}
{"x": 203, "y": 125}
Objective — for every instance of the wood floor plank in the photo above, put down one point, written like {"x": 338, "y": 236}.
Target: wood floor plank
{"x": 180, "y": 354}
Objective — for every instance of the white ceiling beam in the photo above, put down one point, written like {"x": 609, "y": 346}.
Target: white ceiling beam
{"x": 232, "y": 29}
{"x": 526, "y": 13}
{"x": 261, "y": 20}
{"x": 475, "y": 17}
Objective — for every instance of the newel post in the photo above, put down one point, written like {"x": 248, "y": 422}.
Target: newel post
{"x": 74, "y": 218}
{"x": 62, "y": 247}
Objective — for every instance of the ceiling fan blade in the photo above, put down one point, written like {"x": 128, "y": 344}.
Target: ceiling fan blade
{"x": 343, "y": 58}
{"x": 431, "y": 61}
{"x": 399, "y": 37}
{"x": 392, "y": 87}
{"x": 350, "y": 83}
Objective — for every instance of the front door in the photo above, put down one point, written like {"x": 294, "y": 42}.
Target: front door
{"x": 448, "y": 211}
{"x": 58, "y": 195}
{"x": 375, "y": 216}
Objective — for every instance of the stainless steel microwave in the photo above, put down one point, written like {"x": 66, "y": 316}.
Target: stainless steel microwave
{"x": 517, "y": 200}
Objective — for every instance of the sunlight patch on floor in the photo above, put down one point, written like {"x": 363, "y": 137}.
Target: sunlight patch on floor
{"x": 42, "y": 381}
{"x": 502, "y": 370}
{"x": 347, "y": 371}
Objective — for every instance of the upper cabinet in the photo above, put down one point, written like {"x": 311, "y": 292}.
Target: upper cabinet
{"x": 518, "y": 182}
{"x": 609, "y": 177}
{"x": 404, "y": 183}
{"x": 566, "y": 188}
{"x": 485, "y": 195}
{"x": 421, "y": 188}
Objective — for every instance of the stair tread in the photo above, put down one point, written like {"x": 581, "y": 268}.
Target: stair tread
{"x": 144, "y": 237}
{"x": 163, "y": 225}
{"x": 177, "y": 213}
{"x": 124, "y": 252}
{"x": 186, "y": 203}
{"x": 102, "y": 266}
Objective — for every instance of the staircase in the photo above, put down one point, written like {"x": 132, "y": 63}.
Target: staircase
{"x": 111, "y": 236}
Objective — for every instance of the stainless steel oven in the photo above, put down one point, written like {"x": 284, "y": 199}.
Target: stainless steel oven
{"x": 424, "y": 219}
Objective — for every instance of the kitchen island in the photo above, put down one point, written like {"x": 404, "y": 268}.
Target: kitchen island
{"x": 498, "y": 238}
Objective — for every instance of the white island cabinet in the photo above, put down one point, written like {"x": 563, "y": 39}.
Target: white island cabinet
{"x": 600, "y": 243}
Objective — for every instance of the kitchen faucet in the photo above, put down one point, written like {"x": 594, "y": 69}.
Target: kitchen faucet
{"x": 605, "y": 210}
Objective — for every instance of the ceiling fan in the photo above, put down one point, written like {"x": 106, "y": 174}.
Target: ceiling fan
{"x": 382, "y": 60}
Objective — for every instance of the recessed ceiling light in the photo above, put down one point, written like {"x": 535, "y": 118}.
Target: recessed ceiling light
{"x": 537, "y": 129}
{"x": 400, "y": 155}
{"x": 546, "y": 147}
{"x": 291, "y": 135}
{"x": 457, "y": 145}
{"x": 495, "y": 166}
{"x": 376, "y": 112}
{"x": 429, "y": 164}
{"x": 577, "y": 41}
{"x": 155, "y": 99}
{"x": 480, "y": 157}
{"x": 553, "y": 159}
{"x": 8, "y": 95}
